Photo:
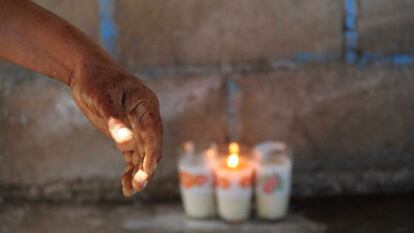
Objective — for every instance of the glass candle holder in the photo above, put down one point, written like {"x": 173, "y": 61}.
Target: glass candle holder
{"x": 196, "y": 186}
{"x": 273, "y": 180}
{"x": 233, "y": 179}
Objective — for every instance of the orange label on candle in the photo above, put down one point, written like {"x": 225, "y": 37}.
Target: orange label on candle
{"x": 222, "y": 182}
{"x": 189, "y": 180}
{"x": 246, "y": 182}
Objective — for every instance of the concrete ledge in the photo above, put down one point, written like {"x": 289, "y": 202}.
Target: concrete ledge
{"x": 104, "y": 190}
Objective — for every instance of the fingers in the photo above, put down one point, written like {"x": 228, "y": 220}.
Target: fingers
{"x": 127, "y": 156}
{"x": 139, "y": 152}
{"x": 127, "y": 188}
{"x": 132, "y": 147}
{"x": 146, "y": 122}
{"x": 124, "y": 139}
{"x": 120, "y": 131}
{"x": 140, "y": 180}
{"x": 152, "y": 135}
{"x": 139, "y": 132}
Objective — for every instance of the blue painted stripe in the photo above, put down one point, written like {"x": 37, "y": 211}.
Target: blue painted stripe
{"x": 351, "y": 14}
{"x": 350, "y": 31}
{"x": 232, "y": 109}
{"x": 315, "y": 57}
{"x": 395, "y": 59}
{"x": 350, "y": 6}
{"x": 351, "y": 38}
{"x": 107, "y": 26}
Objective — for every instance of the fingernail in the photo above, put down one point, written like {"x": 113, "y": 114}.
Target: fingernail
{"x": 138, "y": 186}
{"x": 144, "y": 184}
{"x": 123, "y": 134}
{"x": 119, "y": 131}
{"x": 141, "y": 176}
{"x": 128, "y": 192}
{"x": 155, "y": 166}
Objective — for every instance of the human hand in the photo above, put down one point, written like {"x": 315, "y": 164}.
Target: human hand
{"x": 123, "y": 108}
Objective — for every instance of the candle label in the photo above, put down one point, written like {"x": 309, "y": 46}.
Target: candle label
{"x": 246, "y": 182}
{"x": 189, "y": 180}
{"x": 224, "y": 183}
{"x": 271, "y": 183}
{"x": 241, "y": 187}
{"x": 273, "y": 179}
{"x": 197, "y": 179}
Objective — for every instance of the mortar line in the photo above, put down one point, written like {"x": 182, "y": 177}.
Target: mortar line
{"x": 248, "y": 67}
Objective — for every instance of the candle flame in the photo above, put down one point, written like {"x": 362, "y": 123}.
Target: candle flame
{"x": 233, "y": 161}
{"x": 234, "y": 148}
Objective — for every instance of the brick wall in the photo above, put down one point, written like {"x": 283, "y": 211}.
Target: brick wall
{"x": 332, "y": 78}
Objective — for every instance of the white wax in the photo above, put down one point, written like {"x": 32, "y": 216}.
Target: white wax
{"x": 234, "y": 209}
{"x": 234, "y": 191}
{"x": 272, "y": 207}
{"x": 273, "y": 183}
{"x": 198, "y": 205}
{"x": 196, "y": 187}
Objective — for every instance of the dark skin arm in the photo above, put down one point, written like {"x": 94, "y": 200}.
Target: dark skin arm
{"x": 114, "y": 101}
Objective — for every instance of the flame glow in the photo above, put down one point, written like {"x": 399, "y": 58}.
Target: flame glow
{"x": 234, "y": 148}
{"x": 233, "y": 161}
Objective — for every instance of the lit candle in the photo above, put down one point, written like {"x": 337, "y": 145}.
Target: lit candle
{"x": 273, "y": 180}
{"x": 234, "y": 176}
{"x": 196, "y": 184}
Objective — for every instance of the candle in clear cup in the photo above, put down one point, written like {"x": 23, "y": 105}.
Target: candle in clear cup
{"x": 273, "y": 180}
{"x": 234, "y": 176}
{"x": 196, "y": 184}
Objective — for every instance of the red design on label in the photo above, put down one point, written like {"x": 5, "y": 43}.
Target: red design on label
{"x": 245, "y": 182}
{"x": 272, "y": 183}
{"x": 222, "y": 182}
{"x": 188, "y": 180}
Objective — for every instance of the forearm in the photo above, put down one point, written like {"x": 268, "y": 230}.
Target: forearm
{"x": 35, "y": 38}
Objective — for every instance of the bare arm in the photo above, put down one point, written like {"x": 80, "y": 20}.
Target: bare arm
{"x": 111, "y": 98}
{"x": 39, "y": 40}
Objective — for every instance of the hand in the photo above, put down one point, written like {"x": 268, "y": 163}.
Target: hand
{"x": 122, "y": 107}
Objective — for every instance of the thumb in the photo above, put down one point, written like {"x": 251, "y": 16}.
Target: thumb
{"x": 119, "y": 130}
{"x": 118, "y": 125}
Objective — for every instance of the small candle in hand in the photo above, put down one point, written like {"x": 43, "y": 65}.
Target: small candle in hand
{"x": 234, "y": 177}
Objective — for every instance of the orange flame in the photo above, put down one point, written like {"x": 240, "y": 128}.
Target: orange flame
{"x": 234, "y": 148}
{"x": 233, "y": 159}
